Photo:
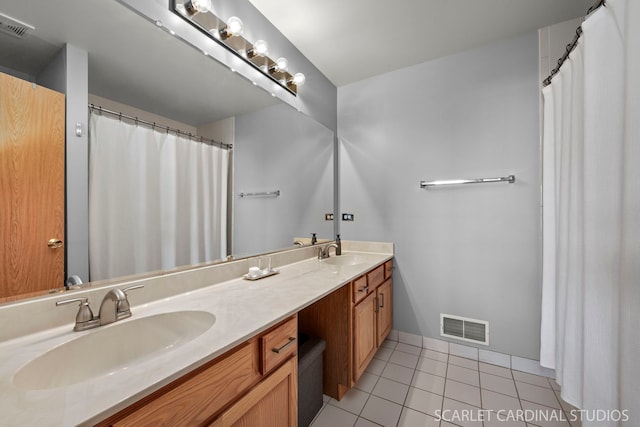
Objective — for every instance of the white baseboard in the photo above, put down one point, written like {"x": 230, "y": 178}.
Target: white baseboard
{"x": 516, "y": 363}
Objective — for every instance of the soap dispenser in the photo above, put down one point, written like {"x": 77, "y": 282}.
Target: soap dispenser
{"x": 339, "y": 243}
{"x": 314, "y": 239}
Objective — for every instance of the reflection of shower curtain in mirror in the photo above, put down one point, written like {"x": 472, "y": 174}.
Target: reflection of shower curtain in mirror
{"x": 156, "y": 200}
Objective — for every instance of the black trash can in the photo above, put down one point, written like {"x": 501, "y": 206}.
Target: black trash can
{"x": 310, "y": 351}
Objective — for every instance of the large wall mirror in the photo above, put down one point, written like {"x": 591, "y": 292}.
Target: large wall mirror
{"x": 137, "y": 68}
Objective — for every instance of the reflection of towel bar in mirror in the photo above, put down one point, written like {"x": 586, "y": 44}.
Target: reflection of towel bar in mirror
{"x": 510, "y": 179}
{"x": 261, "y": 194}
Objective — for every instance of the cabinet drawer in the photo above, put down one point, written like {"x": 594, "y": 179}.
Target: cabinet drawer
{"x": 359, "y": 289}
{"x": 278, "y": 344}
{"x": 375, "y": 277}
{"x": 388, "y": 266}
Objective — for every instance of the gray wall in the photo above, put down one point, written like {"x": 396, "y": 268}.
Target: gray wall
{"x": 68, "y": 73}
{"x": 278, "y": 148}
{"x": 471, "y": 250}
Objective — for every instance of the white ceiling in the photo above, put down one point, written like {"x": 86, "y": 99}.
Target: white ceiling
{"x": 132, "y": 61}
{"x": 350, "y": 40}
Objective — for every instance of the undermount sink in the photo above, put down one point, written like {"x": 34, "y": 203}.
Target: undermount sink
{"x": 111, "y": 348}
{"x": 345, "y": 260}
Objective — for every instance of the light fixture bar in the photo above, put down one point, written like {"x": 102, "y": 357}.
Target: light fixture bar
{"x": 229, "y": 34}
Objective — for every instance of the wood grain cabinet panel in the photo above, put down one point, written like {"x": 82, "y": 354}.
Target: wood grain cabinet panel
{"x": 375, "y": 277}
{"x": 388, "y": 268}
{"x": 278, "y": 345}
{"x": 195, "y": 400}
{"x": 359, "y": 289}
{"x": 233, "y": 389}
{"x": 272, "y": 403}
{"x": 364, "y": 335}
{"x": 384, "y": 315}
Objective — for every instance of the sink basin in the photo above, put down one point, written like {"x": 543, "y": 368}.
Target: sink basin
{"x": 111, "y": 348}
{"x": 345, "y": 260}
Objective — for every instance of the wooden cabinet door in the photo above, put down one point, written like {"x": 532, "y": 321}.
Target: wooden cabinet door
{"x": 197, "y": 397}
{"x": 364, "y": 334}
{"x": 32, "y": 138}
{"x": 385, "y": 310}
{"x": 272, "y": 403}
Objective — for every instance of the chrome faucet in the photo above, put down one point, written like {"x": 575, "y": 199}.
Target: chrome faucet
{"x": 324, "y": 253}
{"x": 115, "y": 306}
{"x": 112, "y": 308}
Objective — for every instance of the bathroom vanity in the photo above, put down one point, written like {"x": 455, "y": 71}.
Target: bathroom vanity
{"x": 255, "y": 379}
{"x": 356, "y": 317}
{"x": 238, "y": 361}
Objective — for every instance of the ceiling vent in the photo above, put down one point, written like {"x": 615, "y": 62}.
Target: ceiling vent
{"x": 465, "y": 329}
{"x": 13, "y": 27}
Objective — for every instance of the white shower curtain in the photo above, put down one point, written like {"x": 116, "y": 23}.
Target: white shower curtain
{"x": 156, "y": 200}
{"x": 591, "y": 214}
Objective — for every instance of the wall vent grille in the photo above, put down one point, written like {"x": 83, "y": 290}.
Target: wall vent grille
{"x": 13, "y": 27}
{"x": 465, "y": 329}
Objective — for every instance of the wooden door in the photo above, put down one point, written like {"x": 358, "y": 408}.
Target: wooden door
{"x": 385, "y": 310}
{"x": 364, "y": 334}
{"x": 32, "y": 138}
{"x": 272, "y": 403}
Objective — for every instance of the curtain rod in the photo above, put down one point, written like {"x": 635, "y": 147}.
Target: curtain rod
{"x": 154, "y": 126}
{"x": 572, "y": 45}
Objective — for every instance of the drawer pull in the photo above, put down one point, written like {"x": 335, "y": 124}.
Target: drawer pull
{"x": 281, "y": 349}
{"x": 365, "y": 289}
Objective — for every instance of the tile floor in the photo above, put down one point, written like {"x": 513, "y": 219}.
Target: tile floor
{"x": 409, "y": 386}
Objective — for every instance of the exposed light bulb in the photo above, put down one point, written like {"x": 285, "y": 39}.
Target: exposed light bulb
{"x": 235, "y": 26}
{"x": 260, "y": 48}
{"x": 197, "y": 6}
{"x": 298, "y": 79}
{"x": 282, "y": 64}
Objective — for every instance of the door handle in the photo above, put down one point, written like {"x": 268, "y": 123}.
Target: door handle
{"x": 54, "y": 243}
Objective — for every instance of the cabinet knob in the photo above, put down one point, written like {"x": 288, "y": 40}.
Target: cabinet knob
{"x": 54, "y": 243}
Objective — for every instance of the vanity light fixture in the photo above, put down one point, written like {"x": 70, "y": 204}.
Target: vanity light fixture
{"x": 229, "y": 34}
{"x": 234, "y": 27}
{"x": 193, "y": 7}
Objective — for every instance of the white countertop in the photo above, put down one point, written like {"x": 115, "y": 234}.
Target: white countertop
{"x": 242, "y": 309}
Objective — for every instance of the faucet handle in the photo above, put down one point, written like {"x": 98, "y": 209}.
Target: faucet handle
{"x": 130, "y": 288}
{"x": 124, "y": 305}
{"x": 84, "y": 312}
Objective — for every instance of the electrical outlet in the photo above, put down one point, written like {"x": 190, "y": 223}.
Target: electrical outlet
{"x": 328, "y": 217}
{"x": 348, "y": 217}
